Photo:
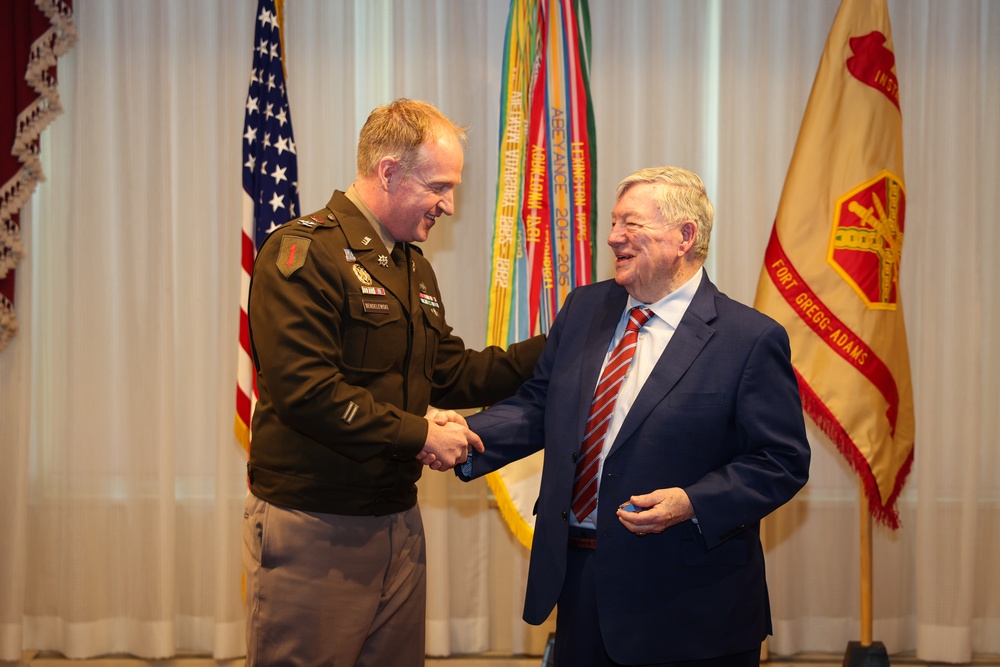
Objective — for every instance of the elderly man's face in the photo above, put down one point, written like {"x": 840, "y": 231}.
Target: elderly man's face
{"x": 647, "y": 247}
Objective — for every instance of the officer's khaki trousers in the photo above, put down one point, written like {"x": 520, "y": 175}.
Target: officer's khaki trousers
{"x": 333, "y": 590}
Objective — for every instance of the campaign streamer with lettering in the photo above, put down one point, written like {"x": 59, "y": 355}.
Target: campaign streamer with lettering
{"x": 545, "y": 213}
{"x": 832, "y": 265}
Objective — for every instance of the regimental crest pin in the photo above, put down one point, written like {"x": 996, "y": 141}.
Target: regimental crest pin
{"x": 362, "y": 275}
{"x": 366, "y": 240}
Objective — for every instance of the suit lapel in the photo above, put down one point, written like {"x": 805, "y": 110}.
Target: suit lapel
{"x": 369, "y": 251}
{"x": 693, "y": 333}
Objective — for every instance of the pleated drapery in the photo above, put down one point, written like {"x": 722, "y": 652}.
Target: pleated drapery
{"x": 122, "y": 482}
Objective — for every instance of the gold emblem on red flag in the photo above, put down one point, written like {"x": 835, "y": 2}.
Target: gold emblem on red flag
{"x": 867, "y": 239}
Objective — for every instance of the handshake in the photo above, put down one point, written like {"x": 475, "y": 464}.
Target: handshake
{"x": 448, "y": 440}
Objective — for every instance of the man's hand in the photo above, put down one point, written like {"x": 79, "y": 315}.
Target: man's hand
{"x": 657, "y": 511}
{"x": 442, "y": 417}
{"x": 448, "y": 440}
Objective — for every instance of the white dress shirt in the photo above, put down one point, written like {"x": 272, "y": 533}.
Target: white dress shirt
{"x": 653, "y": 339}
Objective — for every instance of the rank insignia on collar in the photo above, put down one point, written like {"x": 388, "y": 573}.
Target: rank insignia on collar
{"x": 362, "y": 275}
{"x": 366, "y": 240}
{"x": 413, "y": 266}
{"x": 383, "y": 261}
{"x": 348, "y": 255}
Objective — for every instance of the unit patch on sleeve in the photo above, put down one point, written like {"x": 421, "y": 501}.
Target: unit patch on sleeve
{"x": 292, "y": 254}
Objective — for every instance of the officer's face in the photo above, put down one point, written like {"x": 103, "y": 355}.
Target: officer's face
{"x": 426, "y": 192}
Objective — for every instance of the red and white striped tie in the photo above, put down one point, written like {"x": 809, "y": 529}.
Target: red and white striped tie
{"x": 605, "y": 396}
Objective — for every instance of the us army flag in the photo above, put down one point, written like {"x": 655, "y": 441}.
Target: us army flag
{"x": 832, "y": 266}
{"x": 543, "y": 233}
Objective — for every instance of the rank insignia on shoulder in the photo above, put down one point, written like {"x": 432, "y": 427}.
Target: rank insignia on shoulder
{"x": 307, "y": 223}
{"x": 292, "y": 254}
{"x": 362, "y": 275}
{"x": 348, "y": 255}
{"x": 350, "y": 412}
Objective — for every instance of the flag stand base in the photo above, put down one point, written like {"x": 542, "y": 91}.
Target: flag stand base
{"x": 873, "y": 655}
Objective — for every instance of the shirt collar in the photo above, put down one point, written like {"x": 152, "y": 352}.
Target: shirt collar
{"x": 672, "y": 307}
{"x": 376, "y": 224}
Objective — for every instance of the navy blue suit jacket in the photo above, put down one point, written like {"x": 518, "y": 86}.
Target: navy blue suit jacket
{"x": 719, "y": 416}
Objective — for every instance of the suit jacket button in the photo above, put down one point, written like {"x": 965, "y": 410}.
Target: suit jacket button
{"x": 574, "y": 458}
{"x": 565, "y": 515}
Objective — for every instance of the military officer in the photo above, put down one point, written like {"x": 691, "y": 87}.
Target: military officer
{"x": 349, "y": 337}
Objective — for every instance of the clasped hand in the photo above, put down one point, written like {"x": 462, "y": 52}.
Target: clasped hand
{"x": 448, "y": 440}
{"x": 658, "y": 511}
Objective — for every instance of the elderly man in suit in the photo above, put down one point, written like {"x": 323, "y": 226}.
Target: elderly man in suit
{"x": 671, "y": 423}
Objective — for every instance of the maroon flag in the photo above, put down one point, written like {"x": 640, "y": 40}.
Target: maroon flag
{"x": 32, "y": 36}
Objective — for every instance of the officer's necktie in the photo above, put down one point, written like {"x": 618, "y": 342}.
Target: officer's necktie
{"x": 399, "y": 254}
{"x": 399, "y": 257}
{"x": 605, "y": 396}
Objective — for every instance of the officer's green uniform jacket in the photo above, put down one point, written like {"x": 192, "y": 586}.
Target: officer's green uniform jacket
{"x": 349, "y": 355}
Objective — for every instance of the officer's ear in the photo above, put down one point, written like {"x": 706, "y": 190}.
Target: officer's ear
{"x": 388, "y": 171}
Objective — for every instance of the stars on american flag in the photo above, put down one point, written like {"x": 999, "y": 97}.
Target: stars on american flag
{"x": 270, "y": 169}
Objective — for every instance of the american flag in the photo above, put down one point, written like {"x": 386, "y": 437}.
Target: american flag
{"x": 270, "y": 181}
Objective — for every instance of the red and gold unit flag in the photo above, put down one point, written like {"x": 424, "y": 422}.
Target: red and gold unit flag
{"x": 832, "y": 266}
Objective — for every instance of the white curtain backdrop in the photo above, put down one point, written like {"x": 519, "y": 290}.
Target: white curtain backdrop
{"x": 122, "y": 483}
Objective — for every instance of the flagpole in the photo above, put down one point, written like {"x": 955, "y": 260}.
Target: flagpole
{"x": 866, "y": 572}
{"x": 866, "y": 653}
